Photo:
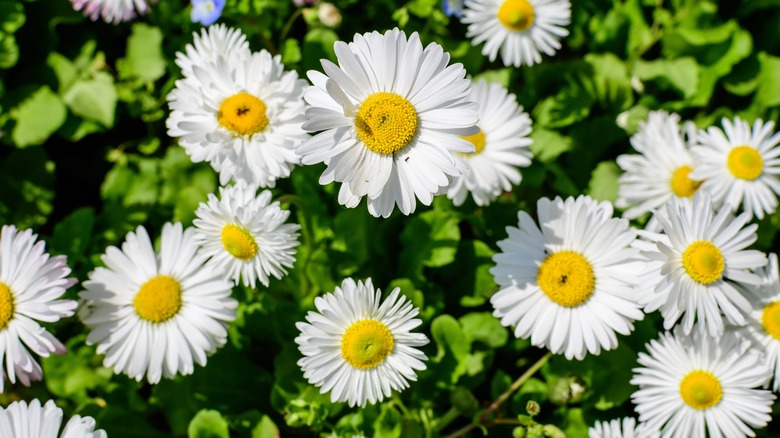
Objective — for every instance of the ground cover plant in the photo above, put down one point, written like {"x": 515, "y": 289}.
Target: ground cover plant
{"x": 260, "y": 218}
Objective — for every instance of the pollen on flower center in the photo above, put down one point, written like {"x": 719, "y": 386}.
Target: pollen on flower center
{"x": 386, "y": 122}
{"x": 682, "y": 185}
{"x": 239, "y": 242}
{"x": 701, "y": 389}
{"x": 159, "y": 299}
{"x": 770, "y": 319}
{"x": 6, "y": 305}
{"x": 366, "y": 344}
{"x": 703, "y": 261}
{"x": 243, "y": 114}
{"x": 745, "y": 162}
{"x": 566, "y": 278}
{"x": 516, "y": 15}
{"x": 478, "y": 140}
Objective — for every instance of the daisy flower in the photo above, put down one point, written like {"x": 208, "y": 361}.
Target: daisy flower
{"x": 519, "y": 29}
{"x": 700, "y": 259}
{"x": 112, "y": 11}
{"x": 242, "y": 113}
{"x": 696, "y": 386}
{"x": 155, "y": 313}
{"x": 213, "y": 42}
{"x": 739, "y": 166}
{"x": 22, "y": 420}
{"x": 30, "y": 284}
{"x": 570, "y": 284}
{"x": 661, "y": 169}
{"x": 392, "y": 114}
{"x": 501, "y": 146}
{"x": 245, "y": 234}
{"x": 763, "y": 321}
{"x": 625, "y": 428}
{"x": 358, "y": 347}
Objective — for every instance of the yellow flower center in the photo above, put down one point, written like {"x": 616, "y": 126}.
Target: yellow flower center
{"x": 239, "y": 242}
{"x": 386, "y": 122}
{"x": 516, "y": 15}
{"x": 703, "y": 261}
{"x": 366, "y": 344}
{"x": 6, "y": 305}
{"x": 243, "y": 114}
{"x": 701, "y": 390}
{"x": 745, "y": 163}
{"x": 683, "y": 186}
{"x": 770, "y": 319}
{"x": 159, "y": 299}
{"x": 566, "y": 278}
{"x": 478, "y": 140}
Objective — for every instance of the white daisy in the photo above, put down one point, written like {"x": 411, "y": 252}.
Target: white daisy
{"x": 763, "y": 322}
{"x": 625, "y": 428}
{"x": 20, "y": 420}
{"x": 570, "y": 284}
{"x": 153, "y": 314}
{"x": 30, "y": 284}
{"x": 242, "y": 113}
{"x": 700, "y": 258}
{"x": 358, "y": 347}
{"x": 661, "y": 169}
{"x": 501, "y": 146}
{"x": 245, "y": 234}
{"x": 392, "y": 114}
{"x": 214, "y": 41}
{"x": 520, "y": 29}
{"x": 739, "y": 167}
{"x": 696, "y": 386}
{"x": 112, "y": 11}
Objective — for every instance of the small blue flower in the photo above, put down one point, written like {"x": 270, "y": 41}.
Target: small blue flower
{"x": 452, "y": 7}
{"x": 206, "y": 12}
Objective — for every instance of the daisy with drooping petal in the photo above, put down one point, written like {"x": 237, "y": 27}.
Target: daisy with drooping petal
{"x": 570, "y": 284}
{"x": 245, "y": 234}
{"x": 243, "y": 114}
{"x": 30, "y": 284}
{"x": 763, "y": 322}
{"x": 696, "y": 386}
{"x": 112, "y": 11}
{"x": 661, "y": 169}
{"x": 213, "y": 42}
{"x": 518, "y": 29}
{"x": 359, "y": 347}
{"x": 392, "y": 115}
{"x": 700, "y": 259}
{"x": 501, "y": 146}
{"x": 626, "y": 428}
{"x": 154, "y": 314}
{"x": 739, "y": 165}
{"x": 22, "y": 420}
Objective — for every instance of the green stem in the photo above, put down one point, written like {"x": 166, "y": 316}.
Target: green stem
{"x": 288, "y": 25}
{"x": 446, "y": 419}
{"x": 304, "y": 220}
{"x": 502, "y": 398}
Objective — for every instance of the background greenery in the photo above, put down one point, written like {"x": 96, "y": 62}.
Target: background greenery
{"x": 85, "y": 158}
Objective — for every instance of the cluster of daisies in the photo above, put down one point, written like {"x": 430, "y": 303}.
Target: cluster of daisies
{"x": 580, "y": 277}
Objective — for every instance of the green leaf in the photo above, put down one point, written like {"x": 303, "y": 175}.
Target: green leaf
{"x": 501, "y": 76}
{"x": 452, "y": 347}
{"x": 548, "y": 145}
{"x": 265, "y": 429}
{"x": 64, "y": 69}
{"x": 37, "y": 118}
{"x": 422, "y": 8}
{"x": 429, "y": 239}
{"x": 144, "y": 58}
{"x": 603, "y": 184}
{"x": 569, "y": 106}
{"x": 93, "y": 99}
{"x": 768, "y": 91}
{"x": 291, "y": 52}
{"x": 485, "y": 328}
{"x": 208, "y": 423}
{"x": 682, "y": 74}
{"x": 73, "y": 234}
{"x": 11, "y": 16}
{"x": 9, "y": 50}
